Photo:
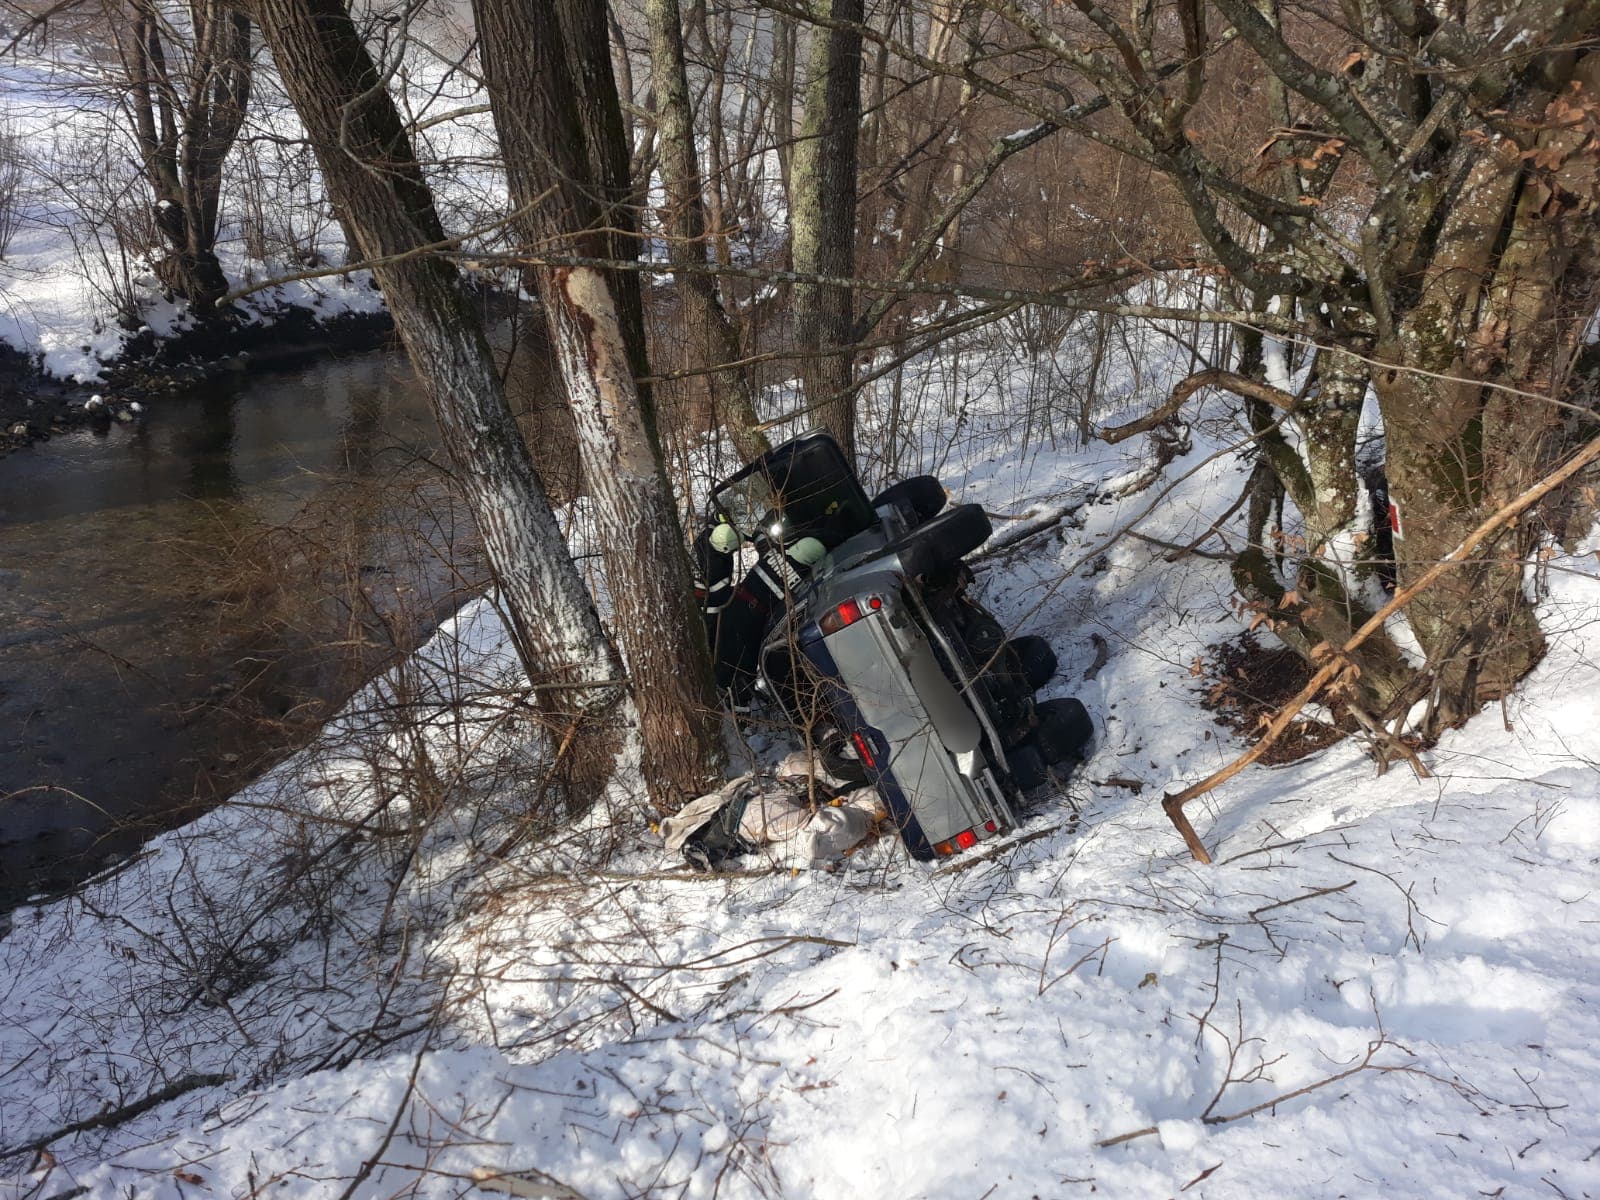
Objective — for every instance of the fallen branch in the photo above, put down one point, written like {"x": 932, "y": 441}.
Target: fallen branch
{"x": 1366, "y": 1064}
{"x": 530, "y": 1184}
{"x": 126, "y": 1112}
{"x": 1240, "y": 385}
{"x": 1338, "y": 664}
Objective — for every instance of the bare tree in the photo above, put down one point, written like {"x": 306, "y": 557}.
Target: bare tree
{"x": 708, "y": 324}
{"x": 187, "y": 77}
{"x": 823, "y": 216}
{"x": 553, "y": 99}
{"x": 1421, "y": 206}
{"x": 372, "y": 175}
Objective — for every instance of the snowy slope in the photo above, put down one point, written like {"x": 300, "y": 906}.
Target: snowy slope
{"x": 1384, "y": 987}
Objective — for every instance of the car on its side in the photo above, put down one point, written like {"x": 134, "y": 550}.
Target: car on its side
{"x": 894, "y": 672}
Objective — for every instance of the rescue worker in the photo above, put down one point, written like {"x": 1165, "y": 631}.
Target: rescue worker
{"x": 738, "y": 616}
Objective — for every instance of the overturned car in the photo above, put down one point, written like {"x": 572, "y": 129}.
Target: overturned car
{"x": 857, "y": 624}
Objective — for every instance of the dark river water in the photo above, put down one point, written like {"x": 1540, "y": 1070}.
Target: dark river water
{"x": 184, "y": 599}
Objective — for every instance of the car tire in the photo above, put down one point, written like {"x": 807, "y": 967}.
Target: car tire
{"x": 1065, "y": 730}
{"x": 1038, "y": 659}
{"x": 837, "y": 756}
{"x": 1027, "y": 766}
{"x": 923, "y": 495}
{"x": 944, "y": 539}
{"x": 983, "y": 634}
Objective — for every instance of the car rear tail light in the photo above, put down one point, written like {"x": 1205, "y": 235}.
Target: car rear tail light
{"x": 966, "y": 839}
{"x": 848, "y": 613}
{"x": 864, "y": 749}
{"x": 943, "y": 848}
{"x": 991, "y": 827}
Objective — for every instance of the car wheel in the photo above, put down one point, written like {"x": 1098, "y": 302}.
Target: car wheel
{"x": 1027, "y": 766}
{"x": 944, "y": 539}
{"x": 838, "y": 757}
{"x": 1038, "y": 659}
{"x": 1065, "y": 730}
{"x": 923, "y": 495}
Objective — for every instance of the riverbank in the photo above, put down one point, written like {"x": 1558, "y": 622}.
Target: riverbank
{"x": 35, "y": 404}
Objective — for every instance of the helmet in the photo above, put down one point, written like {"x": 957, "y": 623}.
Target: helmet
{"x": 725, "y": 538}
{"x": 807, "y": 551}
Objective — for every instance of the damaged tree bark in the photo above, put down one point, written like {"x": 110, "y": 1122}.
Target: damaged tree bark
{"x": 547, "y": 141}
{"x": 373, "y": 177}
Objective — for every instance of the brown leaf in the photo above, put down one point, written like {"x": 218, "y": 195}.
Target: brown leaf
{"x": 1350, "y": 61}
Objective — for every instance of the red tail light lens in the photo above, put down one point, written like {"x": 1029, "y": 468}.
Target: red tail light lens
{"x": 864, "y": 749}
{"x": 991, "y": 827}
{"x": 848, "y": 613}
{"x": 966, "y": 839}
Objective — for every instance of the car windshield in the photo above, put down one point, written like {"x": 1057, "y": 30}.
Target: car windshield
{"x": 749, "y": 504}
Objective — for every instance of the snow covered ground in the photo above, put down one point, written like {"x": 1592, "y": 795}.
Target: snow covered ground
{"x": 1384, "y": 986}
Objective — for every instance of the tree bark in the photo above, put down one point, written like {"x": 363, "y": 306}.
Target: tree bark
{"x": 707, "y": 321}
{"x": 823, "y": 219}
{"x": 545, "y": 141}
{"x": 373, "y": 177}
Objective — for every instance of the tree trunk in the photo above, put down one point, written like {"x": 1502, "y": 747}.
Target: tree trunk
{"x": 707, "y": 321}
{"x": 543, "y": 140}
{"x": 372, "y": 177}
{"x": 186, "y": 116}
{"x": 823, "y": 221}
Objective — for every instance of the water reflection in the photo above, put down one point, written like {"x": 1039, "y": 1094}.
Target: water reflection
{"x": 165, "y": 587}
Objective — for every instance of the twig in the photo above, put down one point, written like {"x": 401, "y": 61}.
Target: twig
{"x": 1255, "y": 913}
{"x": 1366, "y": 1064}
{"x": 400, "y": 1111}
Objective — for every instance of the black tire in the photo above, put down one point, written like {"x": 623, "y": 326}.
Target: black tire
{"x": 923, "y": 495}
{"x": 983, "y": 634}
{"x": 1065, "y": 730}
{"x": 838, "y": 756}
{"x": 1027, "y": 766}
{"x": 1009, "y": 696}
{"x": 944, "y": 539}
{"x": 1038, "y": 659}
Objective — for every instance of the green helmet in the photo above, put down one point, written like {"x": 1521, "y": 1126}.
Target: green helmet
{"x": 724, "y": 538}
{"x": 807, "y": 551}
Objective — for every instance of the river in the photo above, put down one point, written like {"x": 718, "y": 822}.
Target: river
{"x": 185, "y": 598}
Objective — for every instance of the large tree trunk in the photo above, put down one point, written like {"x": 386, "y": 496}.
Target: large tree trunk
{"x": 708, "y": 326}
{"x": 544, "y": 141}
{"x": 372, "y": 176}
{"x": 1456, "y": 451}
{"x": 823, "y": 220}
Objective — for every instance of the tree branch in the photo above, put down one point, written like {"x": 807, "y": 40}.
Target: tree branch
{"x": 1338, "y": 663}
{"x": 1241, "y": 385}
